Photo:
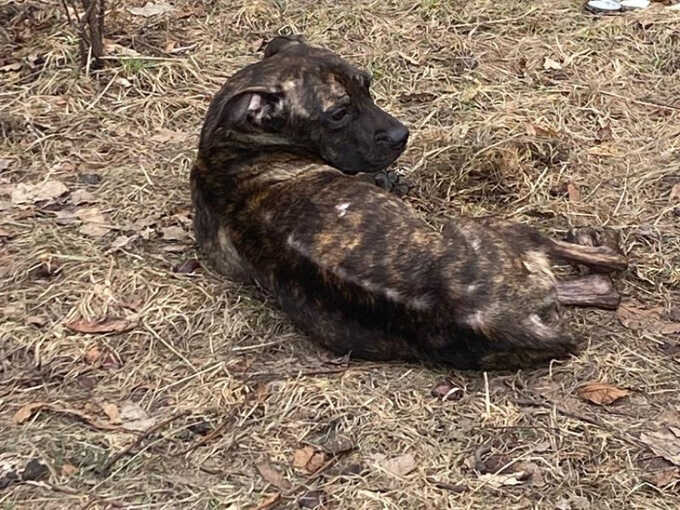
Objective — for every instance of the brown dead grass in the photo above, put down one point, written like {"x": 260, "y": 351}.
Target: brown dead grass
{"x": 493, "y": 132}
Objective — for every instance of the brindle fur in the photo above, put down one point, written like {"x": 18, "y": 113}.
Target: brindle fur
{"x": 351, "y": 264}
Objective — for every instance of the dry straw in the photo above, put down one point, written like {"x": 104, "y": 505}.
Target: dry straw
{"x": 532, "y": 111}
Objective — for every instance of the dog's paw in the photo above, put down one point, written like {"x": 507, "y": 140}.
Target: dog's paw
{"x": 391, "y": 181}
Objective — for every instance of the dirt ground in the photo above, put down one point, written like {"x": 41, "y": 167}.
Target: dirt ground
{"x": 131, "y": 377}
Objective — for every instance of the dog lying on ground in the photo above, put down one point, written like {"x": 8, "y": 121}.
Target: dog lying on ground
{"x": 351, "y": 264}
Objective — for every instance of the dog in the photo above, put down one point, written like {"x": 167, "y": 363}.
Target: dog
{"x": 276, "y": 202}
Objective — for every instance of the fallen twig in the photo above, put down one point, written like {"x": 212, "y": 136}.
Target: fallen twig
{"x": 139, "y": 440}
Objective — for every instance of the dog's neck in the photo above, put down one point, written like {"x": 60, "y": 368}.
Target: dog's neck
{"x": 238, "y": 167}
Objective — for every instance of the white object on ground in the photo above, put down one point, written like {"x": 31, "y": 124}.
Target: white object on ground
{"x": 634, "y": 4}
{"x": 604, "y": 5}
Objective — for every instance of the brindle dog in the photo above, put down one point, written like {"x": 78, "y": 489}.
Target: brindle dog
{"x": 350, "y": 263}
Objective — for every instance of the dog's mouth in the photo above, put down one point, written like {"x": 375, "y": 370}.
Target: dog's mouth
{"x": 389, "y": 158}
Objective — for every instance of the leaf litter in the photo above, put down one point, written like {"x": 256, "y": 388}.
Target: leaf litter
{"x": 636, "y": 317}
{"x": 401, "y": 465}
{"x": 601, "y": 393}
{"x": 32, "y": 193}
{"x": 109, "y": 325}
{"x": 272, "y": 475}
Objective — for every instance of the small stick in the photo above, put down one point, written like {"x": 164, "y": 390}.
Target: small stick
{"x": 297, "y": 373}
{"x": 210, "y": 436}
{"x": 549, "y": 404}
{"x": 447, "y": 486}
{"x": 316, "y": 474}
{"x": 68, "y": 14}
{"x": 139, "y": 440}
{"x": 269, "y": 502}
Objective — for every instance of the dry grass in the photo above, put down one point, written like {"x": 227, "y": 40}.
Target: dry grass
{"x": 493, "y": 132}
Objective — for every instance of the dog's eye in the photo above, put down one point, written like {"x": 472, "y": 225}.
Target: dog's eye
{"x": 338, "y": 114}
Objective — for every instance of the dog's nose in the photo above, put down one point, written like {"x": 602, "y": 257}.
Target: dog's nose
{"x": 396, "y": 136}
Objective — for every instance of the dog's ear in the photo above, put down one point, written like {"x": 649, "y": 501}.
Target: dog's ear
{"x": 250, "y": 111}
{"x": 281, "y": 43}
{"x": 263, "y": 110}
{"x": 253, "y": 109}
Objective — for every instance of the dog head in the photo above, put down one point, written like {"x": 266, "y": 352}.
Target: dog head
{"x": 302, "y": 99}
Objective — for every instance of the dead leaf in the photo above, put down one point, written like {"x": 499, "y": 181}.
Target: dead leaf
{"x": 272, "y": 475}
{"x": 170, "y": 45}
{"x": 174, "y": 234}
{"x": 151, "y": 9}
{"x": 649, "y": 320}
{"x": 563, "y": 504}
{"x": 104, "y": 326}
{"x": 502, "y": 480}
{"x": 399, "y": 466}
{"x": 188, "y": 266}
{"x": 114, "y": 49}
{"x": 68, "y": 470}
{"x": 123, "y": 82}
{"x": 132, "y": 411}
{"x": 111, "y": 410}
{"x": 121, "y": 242}
{"x": 174, "y": 248}
{"x": 550, "y": 64}
{"x": 337, "y": 443}
{"x": 134, "y": 418}
{"x": 31, "y": 193}
{"x": 447, "y": 390}
{"x": 316, "y": 462}
{"x": 269, "y": 502}
{"x": 25, "y": 413}
{"x": 302, "y": 456}
{"x": 664, "y": 444}
{"x": 312, "y": 499}
{"x": 261, "y": 392}
{"x": 5, "y": 233}
{"x": 168, "y": 136}
{"x": 143, "y": 223}
{"x": 604, "y": 133}
{"x": 80, "y": 196}
{"x": 675, "y": 192}
{"x": 534, "y": 473}
{"x": 134, "y": 303}
{"x": 36, "y": 320}
{"x": 92, "y": 355}
{"x": 574, "y": 192}
{"x": 601, "y": 393}
{"x": 664, "y": 478}
{"x": 4, "y": 164}
{"x": 534, "y": 130}
{"x": 66, "y": 217}
{"x": 184, "y": 217}
{"x": 94, "y": 222}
